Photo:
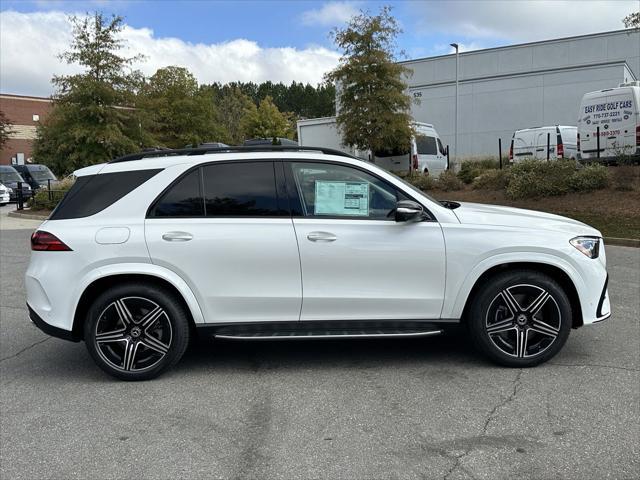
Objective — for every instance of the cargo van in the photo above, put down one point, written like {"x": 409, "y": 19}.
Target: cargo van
{"x": 532, "y": 143}
{"x": 613, "y": 113}
{"x": 425, "y": 153}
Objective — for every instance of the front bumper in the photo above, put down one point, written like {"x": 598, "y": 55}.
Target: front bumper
{"x": 50, "y": 329}
{"x": 604, "y": 305}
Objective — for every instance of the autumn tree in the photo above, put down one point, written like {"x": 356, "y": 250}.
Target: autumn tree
{"x": 266, "y": 121}
{"x": 374, "y": 106}
{"x": 93, "y": 118}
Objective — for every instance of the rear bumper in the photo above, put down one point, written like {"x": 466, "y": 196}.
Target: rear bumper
{"x": 50, "y": 329}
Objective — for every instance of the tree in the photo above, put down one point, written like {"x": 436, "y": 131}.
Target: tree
{"x": 632, "y": 20}
{"x": 179, "y": 111}
{"x": 374, "y": 107}
{"x": 5, "y": 129}
{"x": 266, "y": 121}
{"x": 92, "y": 119}
{"x": 233, "y": 106}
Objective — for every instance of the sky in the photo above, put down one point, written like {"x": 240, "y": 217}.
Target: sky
{"x": 277, "y": 40}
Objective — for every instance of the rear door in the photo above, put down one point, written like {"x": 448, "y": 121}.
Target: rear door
{"x": 358, "y": 263}
{"x": 226, "y": 230}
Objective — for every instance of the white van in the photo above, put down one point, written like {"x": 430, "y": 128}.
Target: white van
{"x": 532, "y": 143}
{"x": 427, "y": 154}
{"x": 613, "y": 112}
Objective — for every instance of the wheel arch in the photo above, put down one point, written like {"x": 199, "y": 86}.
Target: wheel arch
{"x": 555, "y": 272}
{"x": 103, "y": 283}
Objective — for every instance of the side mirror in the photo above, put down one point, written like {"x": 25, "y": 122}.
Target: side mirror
{"x": 408, "y": 211}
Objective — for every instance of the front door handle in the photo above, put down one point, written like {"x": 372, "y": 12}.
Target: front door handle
{"x": 321, "y": 237}
{"x": 177, "y": 236}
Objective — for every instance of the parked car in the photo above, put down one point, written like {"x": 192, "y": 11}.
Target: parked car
{"x": 299, "y": 243}
{"x": 614, "y": 113}
{"x": 4, "y": 195}
{"x": 532, "y": 143}
{"x": 37, "y": 176}
{"x": 9, "y": 177}
{"x": 254, "y": 142}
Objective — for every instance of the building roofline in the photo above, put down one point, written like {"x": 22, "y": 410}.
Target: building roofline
{"x": 12, "y": 96}
{"x": 526, "y": 44}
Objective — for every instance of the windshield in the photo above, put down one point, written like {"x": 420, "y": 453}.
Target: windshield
{"x": 41, "y": 174}
{"x": 9, "y": 175}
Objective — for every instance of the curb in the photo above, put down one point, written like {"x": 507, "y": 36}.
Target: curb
{"x": 622, "y": 242}
{"x": 27, "y": 216}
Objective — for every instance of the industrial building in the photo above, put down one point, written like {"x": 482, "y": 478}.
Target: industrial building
{"x": 507, "y": 88}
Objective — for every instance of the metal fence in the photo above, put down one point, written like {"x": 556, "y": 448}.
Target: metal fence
{"x": 38, "y": 199}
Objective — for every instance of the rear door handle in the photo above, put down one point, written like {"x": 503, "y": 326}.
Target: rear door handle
{"x": 177, "y": 236}
{"x": 321, "y": 237}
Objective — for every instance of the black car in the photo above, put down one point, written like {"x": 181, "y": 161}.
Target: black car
{"x": 37, "y": 176}
{"x": 9, "y": 177}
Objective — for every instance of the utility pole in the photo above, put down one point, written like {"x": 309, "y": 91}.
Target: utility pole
{"x": 455, "y": 141}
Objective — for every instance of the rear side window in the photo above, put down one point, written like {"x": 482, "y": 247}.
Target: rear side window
{"x": 93, "y": 193}
{"x": 183, "y": 199}
{"x": 426, "y": 145}
{"x": 240, "y": 190}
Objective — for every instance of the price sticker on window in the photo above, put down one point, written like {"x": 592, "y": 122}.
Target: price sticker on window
{"x": 342, "y": 198}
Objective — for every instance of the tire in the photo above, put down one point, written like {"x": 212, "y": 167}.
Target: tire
{"x": 136, "y": 331}
{"x": 520, "y": 318}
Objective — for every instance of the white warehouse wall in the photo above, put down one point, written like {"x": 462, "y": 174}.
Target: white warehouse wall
{"x": 507, "y": 88}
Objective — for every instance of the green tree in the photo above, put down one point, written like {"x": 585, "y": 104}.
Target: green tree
{"x": 374, "y": 107}
{"x": 179, "y": 111}
{"x": 93, "y": 119}
{"x": 233, "y": 106}
{"x": 266, "y": 121}
{"x": 5, "y": 129}
{"x": 632, "y": 20}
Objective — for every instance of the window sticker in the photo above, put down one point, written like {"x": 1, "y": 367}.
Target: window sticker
{"x": 342, "y": 198}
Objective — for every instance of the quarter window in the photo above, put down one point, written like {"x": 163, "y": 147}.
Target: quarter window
{"x": 328, "y": 190}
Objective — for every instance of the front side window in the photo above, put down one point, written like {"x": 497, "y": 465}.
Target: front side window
{"x": 337, "y": 191}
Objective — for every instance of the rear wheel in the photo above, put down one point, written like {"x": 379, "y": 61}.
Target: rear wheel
{"x": 520, "y": 318}
{"x": 136, "y": 331}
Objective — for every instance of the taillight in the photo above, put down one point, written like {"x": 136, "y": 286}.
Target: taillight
{"x": 578, "y": 142}
{"x": 415, "y": 161}
{"x": 638, "y": 136}
{"x": 45, "y": 241}
{"x": 511, "y": 152}
{"x": 560, "y": 150}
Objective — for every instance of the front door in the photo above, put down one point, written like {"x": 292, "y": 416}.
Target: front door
{"x": 358, "y": 263}
{"x": 223, "y": 228}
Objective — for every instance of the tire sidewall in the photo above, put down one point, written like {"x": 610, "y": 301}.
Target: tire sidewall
{"x": 486, "y": 295}
{"x": 167, "y": 301}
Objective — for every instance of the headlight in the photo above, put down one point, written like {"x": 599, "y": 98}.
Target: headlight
{"x": 590, "y": 246}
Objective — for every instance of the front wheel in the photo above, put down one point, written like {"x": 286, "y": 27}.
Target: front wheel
{"x": 520, "y": 318}
{"x": 136, "y": 331}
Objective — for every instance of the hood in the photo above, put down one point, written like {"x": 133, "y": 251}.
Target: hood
{"x": 477, "y": 213}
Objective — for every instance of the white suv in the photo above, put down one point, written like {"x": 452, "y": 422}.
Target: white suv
{"x": 293, "y": 242}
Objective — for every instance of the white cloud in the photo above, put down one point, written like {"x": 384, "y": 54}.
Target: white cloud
{"x": 331, "y": 14}
{"x": 520, "y": 21}
{"x": 30, "y": 43}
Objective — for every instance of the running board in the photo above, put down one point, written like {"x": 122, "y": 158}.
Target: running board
{"x": 303, "y": 332}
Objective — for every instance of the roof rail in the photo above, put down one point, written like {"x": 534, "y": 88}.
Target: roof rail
{"x": 243, "y": 149}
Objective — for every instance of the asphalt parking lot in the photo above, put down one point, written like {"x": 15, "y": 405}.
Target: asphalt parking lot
{"x": 398, "y": 409}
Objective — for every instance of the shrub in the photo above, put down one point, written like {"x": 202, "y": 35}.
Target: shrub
{"x": 41, "y": 200}
{"x": 470, "y": 169}
{"x": 592, "y": 177}
{"x": 492, "y": 180}
{"x": 535, "y": 178}
{"x": 625, "y": 178}
{"x": 448, "y": 181}
{"x": 423, "y": 182}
